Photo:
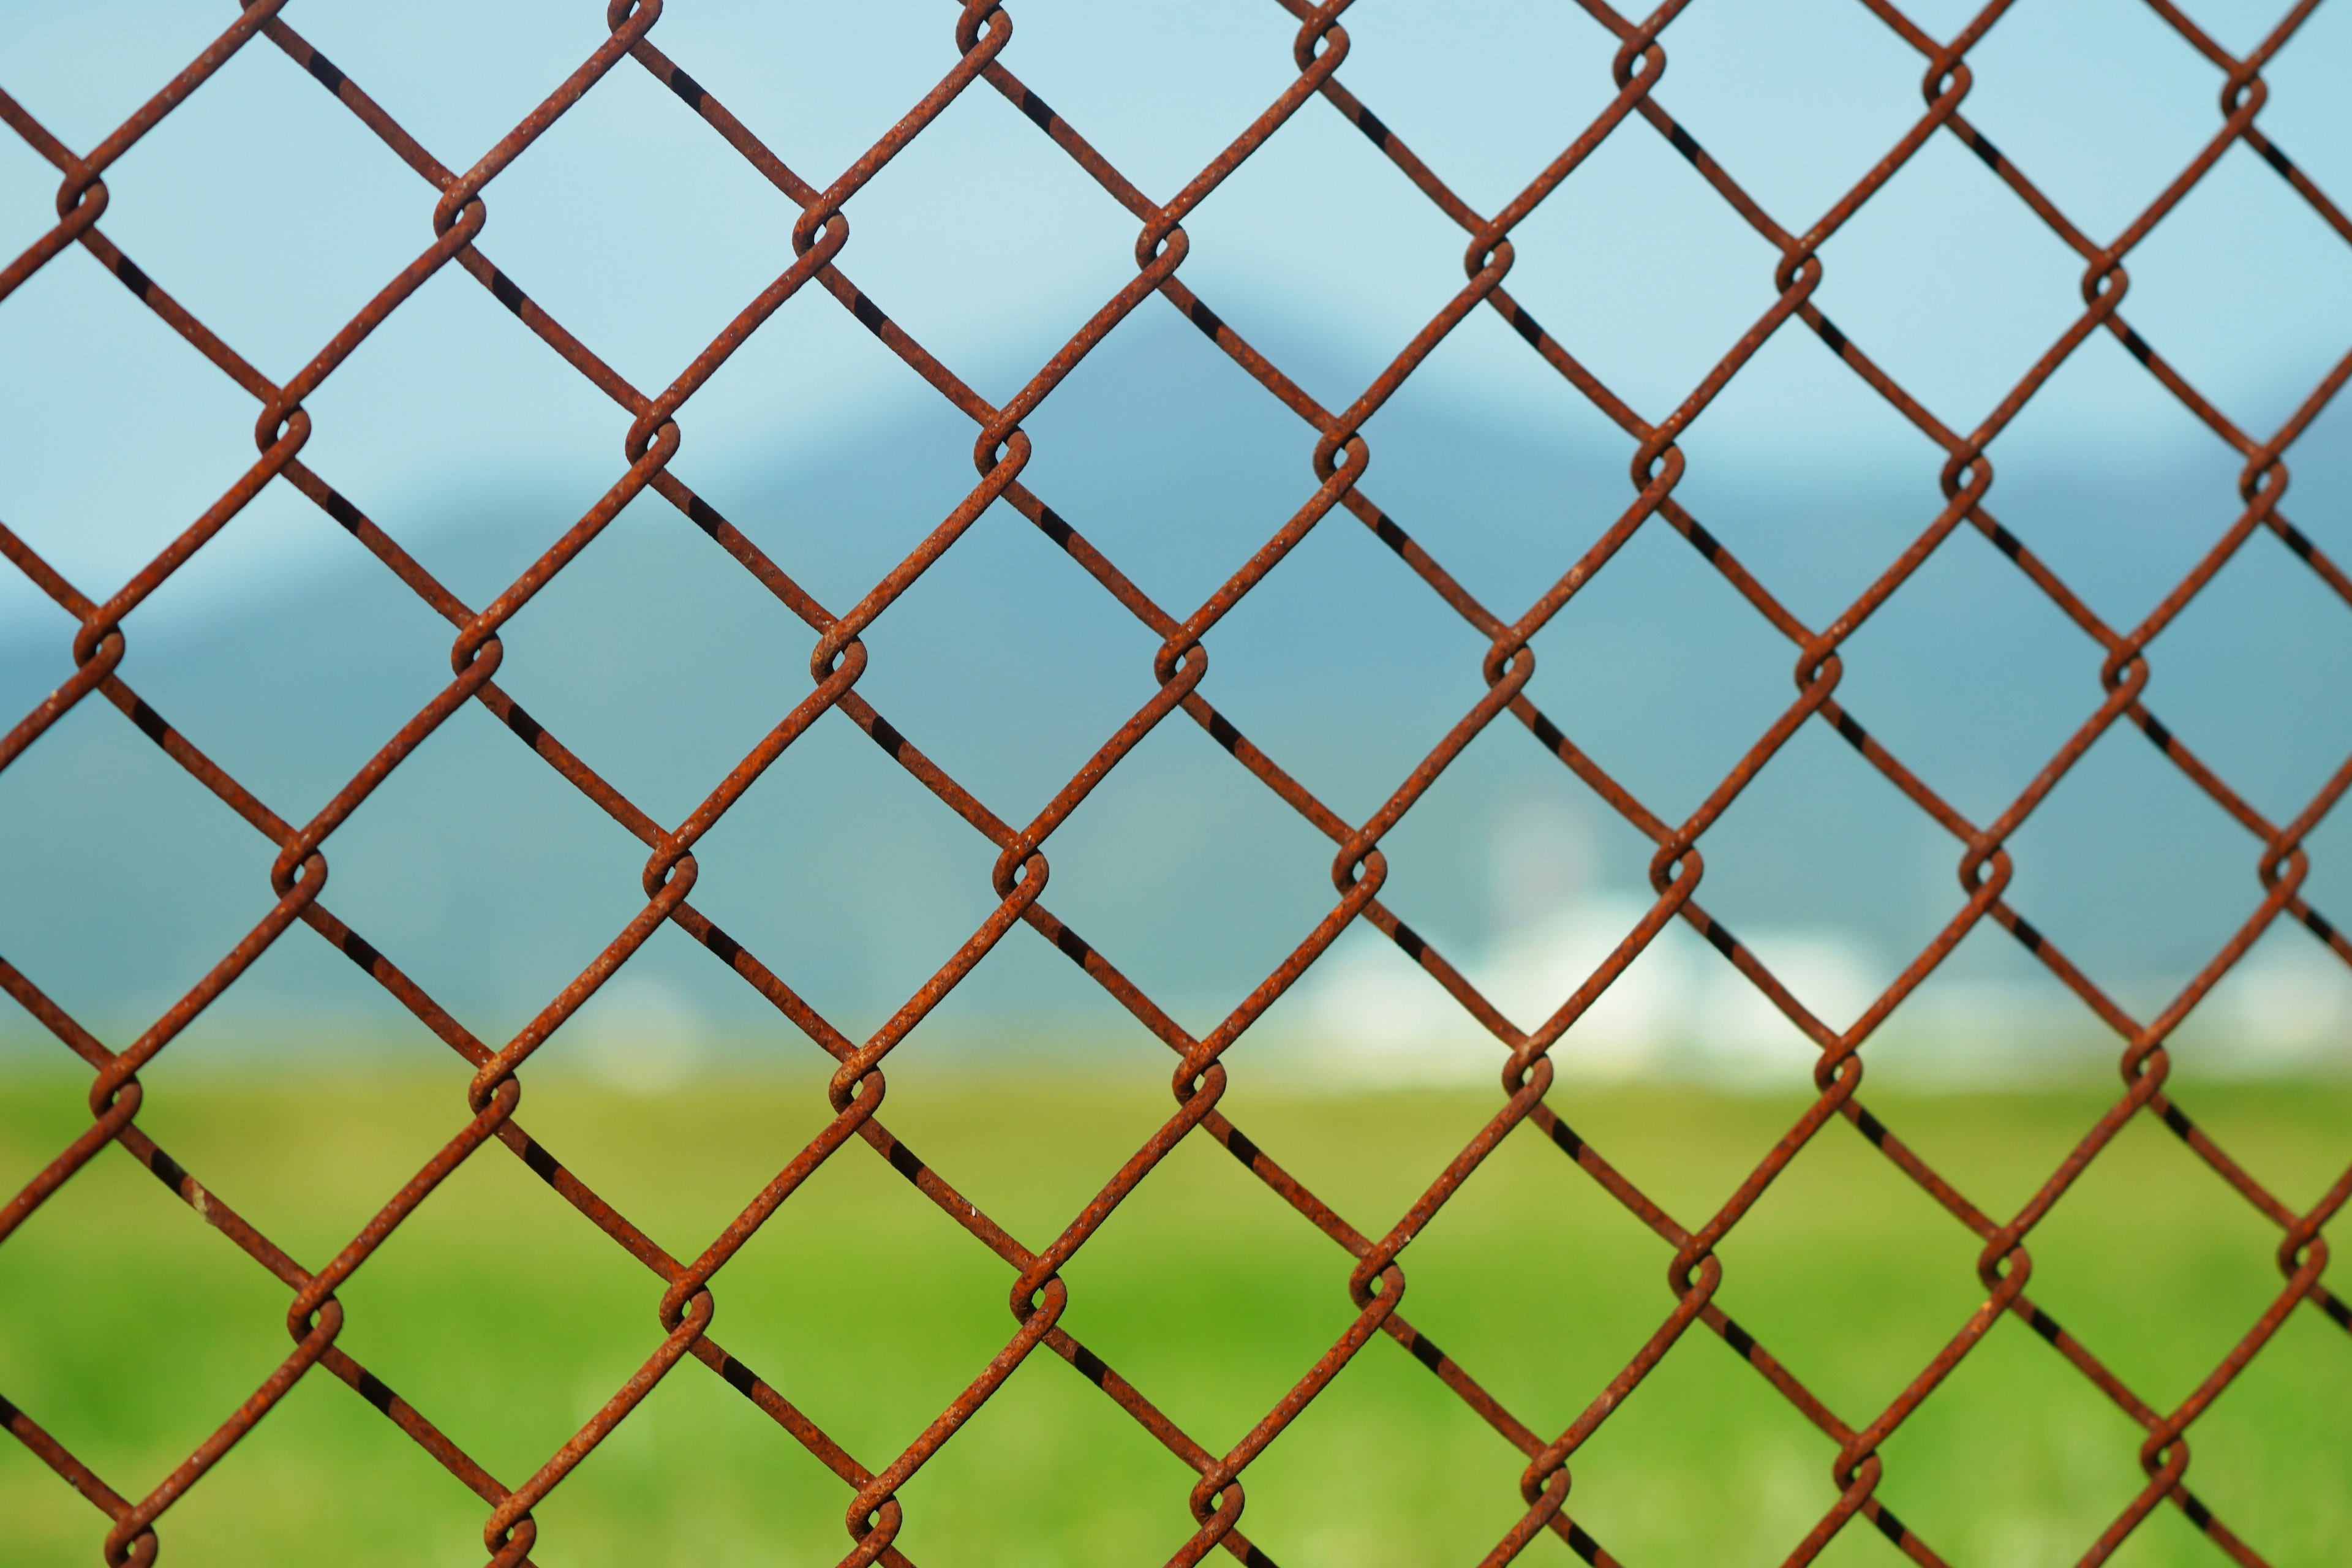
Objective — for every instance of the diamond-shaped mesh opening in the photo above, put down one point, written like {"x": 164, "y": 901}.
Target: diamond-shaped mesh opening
{"x": 2067, "y": 474}
{"x": 1494, "y": 464}
{"x": 1319, "y": 201}
{"x": 1849, "y": 1274}
{"x": 2139, "y": 924}
{"x": 2163, "y": 1298}
{"x": 1689, "y": 282}
{"x": 1976, "y": 729}
{"x": 616, "y": 1090}
{"x": 1350, "y": 712}
{"x": 2001, "y": 286}
{"x": 1099, "y": 1080}
{"x": 432, "y": 1315}
{"x": 277, "y": 1488}
{"x": 546, "y": 212}
{"x": 1045, "y": 1440}
{"x": 2245, "y": 235}
{"x": 1990, "y": 1070}
{"x": 214, "y": 663}
{"x": 1488, "y": 119}
{"x": 494, "y": 878}
{"x": 1607, "y": 667}
{"x": 2152, "y": 91}
{"x": 1831, "y": 87}
{"x": 912, "y": 880}
{"x": 1160, "y": 114}
{"x": 284, "y": 276}
{"x": 1750, "y": 1474}
{"x": 1856, "y": 890}
{"x": 1591, "y": 1293}
{"x": 839, "y": 503}
{"x": 1164, "y": 1282}
{"x": 1389, "y": 1466}
{"x": 657, "y": 731}
{"x": 1123, "y": 888}
{"x": 941, "y": 235}
{"x": 699, "y": 1471}
{"x": 947, "y": 672}
{"x": 403, "y": 871}
{"x": 873, "y": 1364}
{"x": 1504, "y": 845}
{"x": 1756, "y": 482}
{"x": 530, "y": 445}
{"x": 2065, "y": 1459}
{"x": 1117, "y": 457}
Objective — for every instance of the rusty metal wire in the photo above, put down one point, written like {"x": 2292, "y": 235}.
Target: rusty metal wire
{"x": 1001, "y": 452}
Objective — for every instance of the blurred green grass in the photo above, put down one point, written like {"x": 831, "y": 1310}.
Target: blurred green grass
{"x": 129, "y": 1327}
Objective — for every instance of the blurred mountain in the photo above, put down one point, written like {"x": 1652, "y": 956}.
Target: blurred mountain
{"x": 661, "y": 662}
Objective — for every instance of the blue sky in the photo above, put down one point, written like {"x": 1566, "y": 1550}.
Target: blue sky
{"x": 264, "y": 206}
{"x": 269, "y": 209}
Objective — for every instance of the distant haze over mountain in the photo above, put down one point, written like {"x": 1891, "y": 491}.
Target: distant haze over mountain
{"x": 656, "y": 658}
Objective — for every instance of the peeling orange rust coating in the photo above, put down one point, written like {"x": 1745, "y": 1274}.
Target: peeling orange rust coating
{"x": 684, "y": 1305}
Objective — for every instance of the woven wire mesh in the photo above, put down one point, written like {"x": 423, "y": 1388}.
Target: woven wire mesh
{"x": 135, "y": 1509}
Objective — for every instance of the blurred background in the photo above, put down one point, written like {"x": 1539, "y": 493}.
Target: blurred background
{"x": 289, "y": 654}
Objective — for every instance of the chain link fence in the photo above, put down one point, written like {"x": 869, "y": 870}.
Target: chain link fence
{"x": 135, "y": 1509}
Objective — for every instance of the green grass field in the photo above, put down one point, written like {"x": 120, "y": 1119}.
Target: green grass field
{"x": 129, "y": 1327}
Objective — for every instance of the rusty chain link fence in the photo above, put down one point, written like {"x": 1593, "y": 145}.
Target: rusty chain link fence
{"x": 135, "y": 1507}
